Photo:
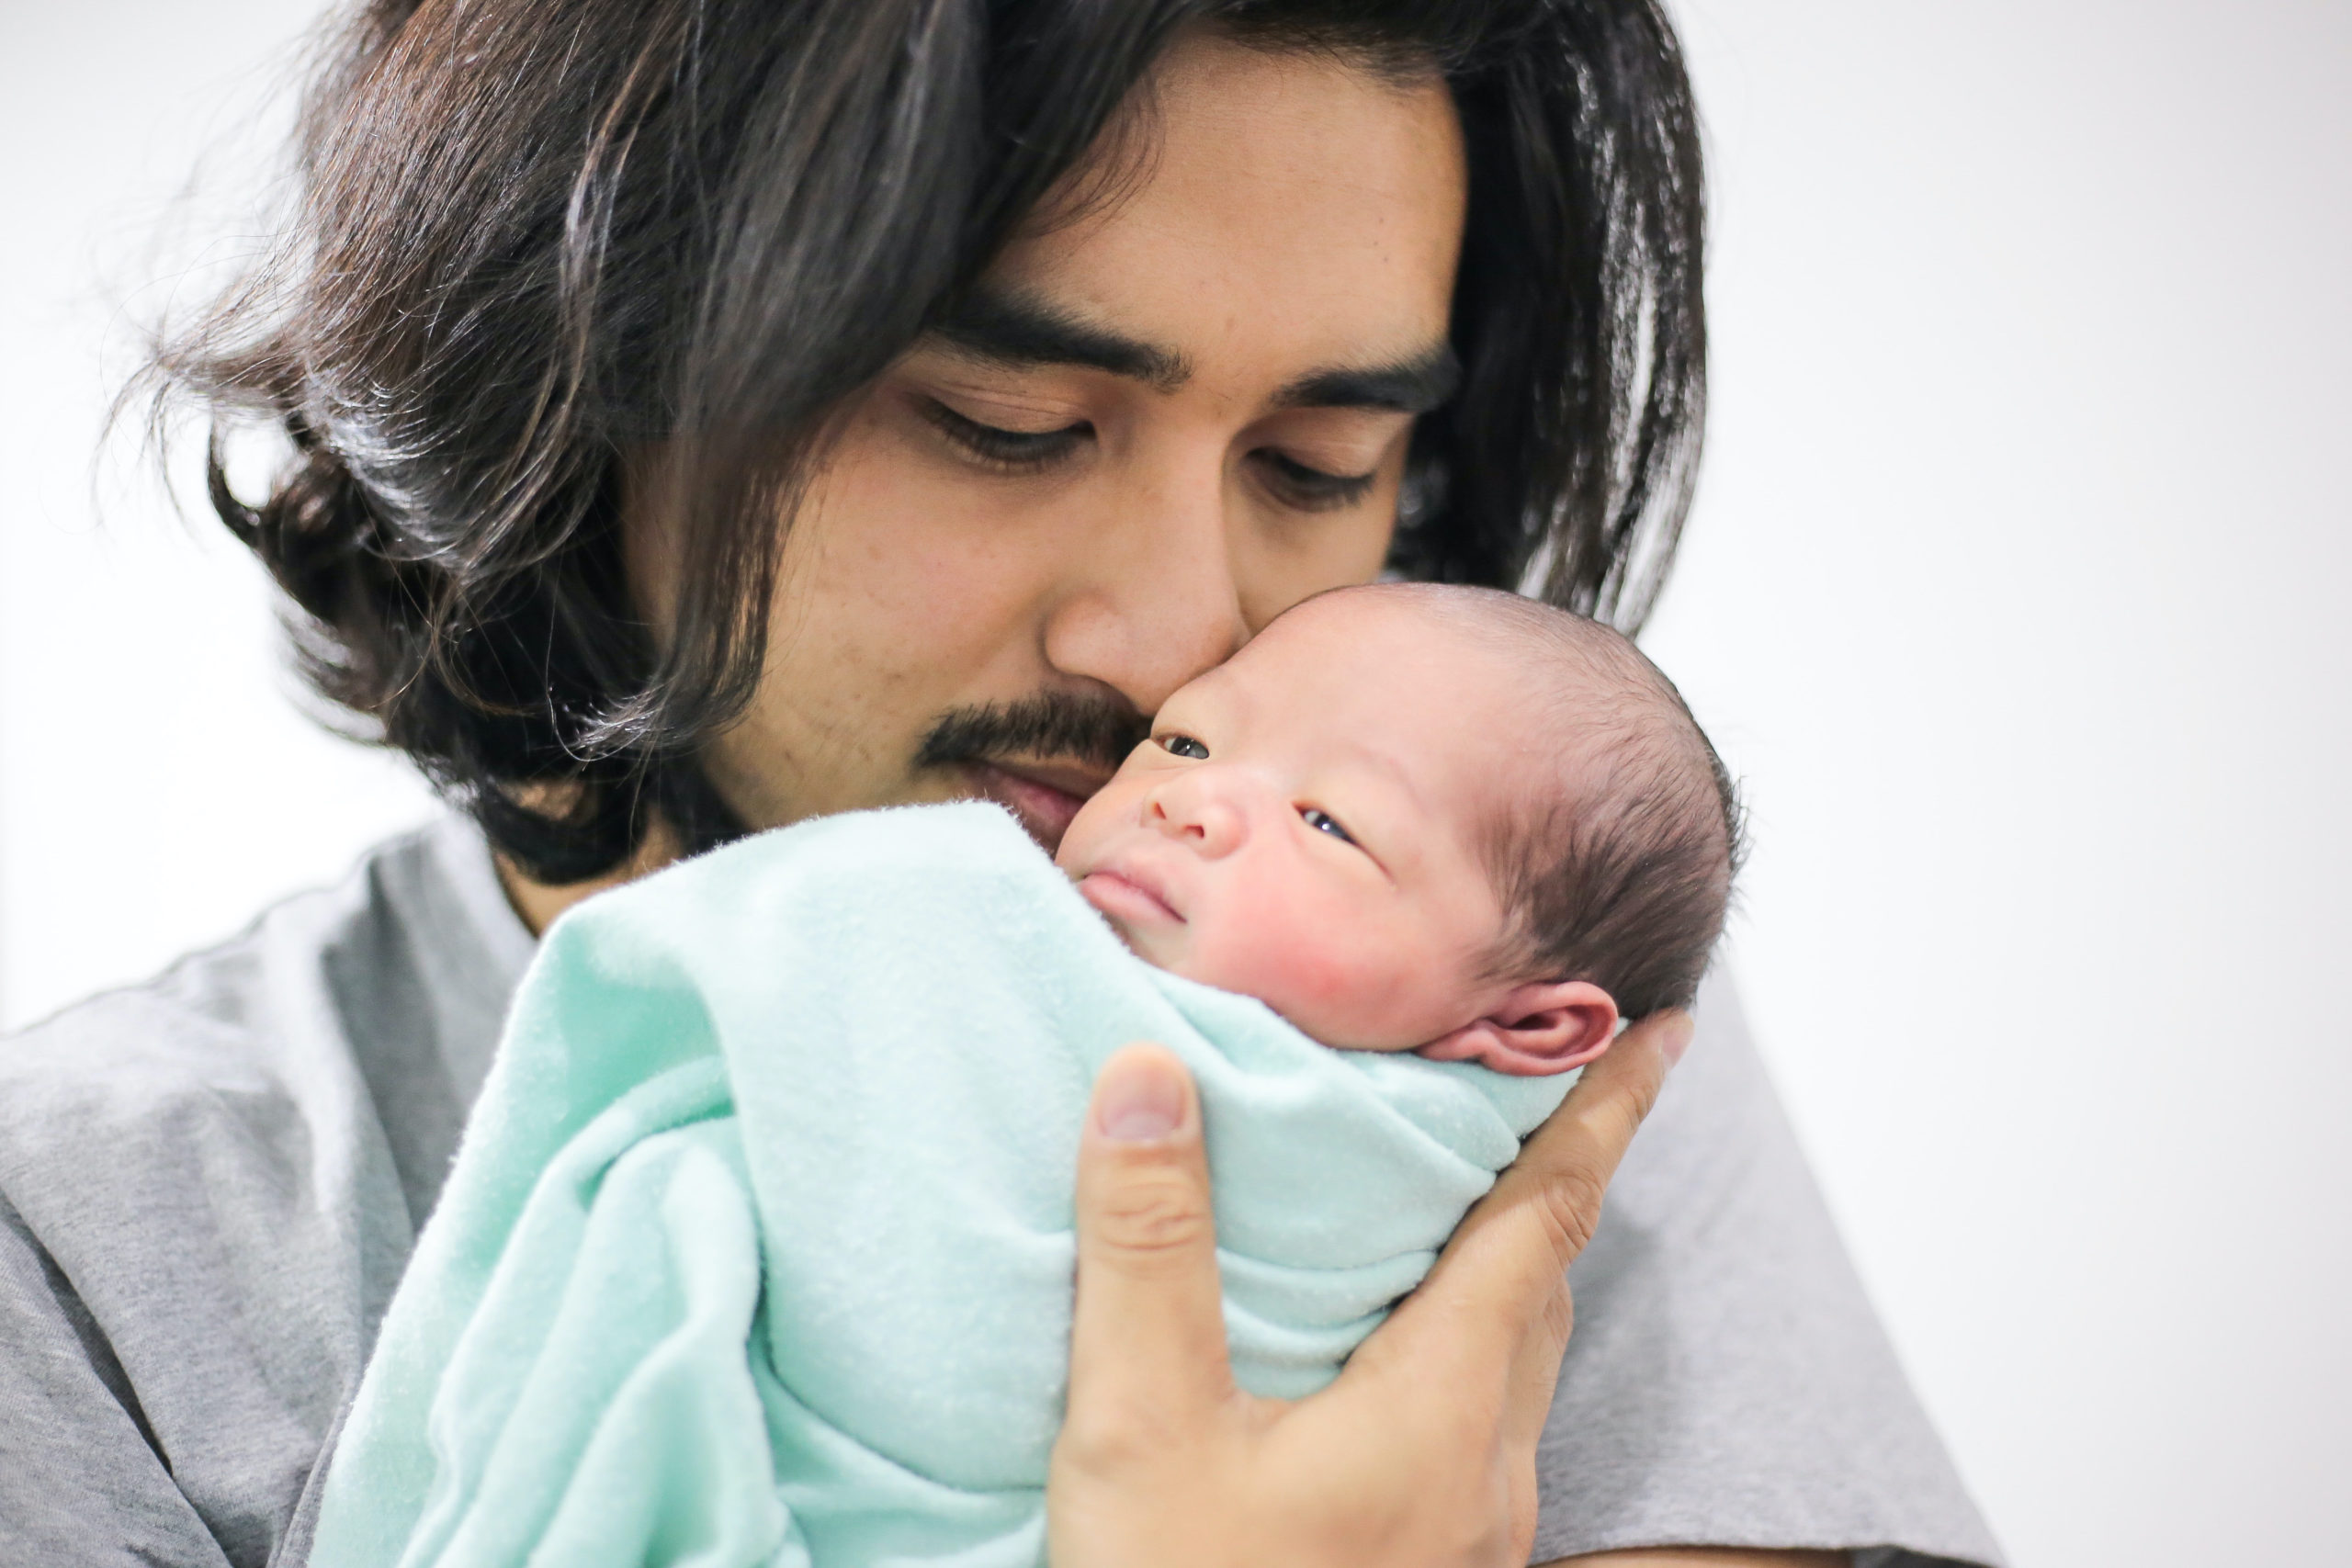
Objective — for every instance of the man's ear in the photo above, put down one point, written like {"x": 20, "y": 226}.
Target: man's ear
{"x": 1544, "y": 1027}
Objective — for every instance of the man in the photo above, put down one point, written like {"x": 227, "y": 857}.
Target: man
{"x": 711, "y": 415}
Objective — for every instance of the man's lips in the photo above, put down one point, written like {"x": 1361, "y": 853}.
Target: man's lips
{"x": 1043, "y": 796}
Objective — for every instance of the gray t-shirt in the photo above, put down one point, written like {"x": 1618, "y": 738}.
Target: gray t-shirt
{"x": 210, "y": 1184}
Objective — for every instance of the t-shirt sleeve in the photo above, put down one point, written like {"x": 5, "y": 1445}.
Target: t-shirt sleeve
{"x": 210, "y": 1184}
{"x": 80, "y": 1483}
{"x": 1727, "y": 1383}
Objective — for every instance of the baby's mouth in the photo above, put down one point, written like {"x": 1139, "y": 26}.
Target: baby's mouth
{"x": 1125, "y": 895}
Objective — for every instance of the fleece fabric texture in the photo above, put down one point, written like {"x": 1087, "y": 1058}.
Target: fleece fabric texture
{"x": 758, "y": 1245}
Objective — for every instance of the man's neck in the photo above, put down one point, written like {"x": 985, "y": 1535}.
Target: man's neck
{"x": 539, "y": 903}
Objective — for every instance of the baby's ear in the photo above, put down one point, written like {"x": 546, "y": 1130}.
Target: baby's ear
{"x": 1545, "y": 1027}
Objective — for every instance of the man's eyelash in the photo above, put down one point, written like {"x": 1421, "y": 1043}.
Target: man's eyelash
{"x": 1016, "y": 451}
{"x": 1312, "y": 490}
{"x": 1323, "y": 821}
{"x": 1028, "y": 451}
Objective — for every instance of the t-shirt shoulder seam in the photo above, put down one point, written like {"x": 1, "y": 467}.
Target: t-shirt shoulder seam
{"x": 413, "y": 840}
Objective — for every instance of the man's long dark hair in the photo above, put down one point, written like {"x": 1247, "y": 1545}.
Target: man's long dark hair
{"x": 533, "y": 235}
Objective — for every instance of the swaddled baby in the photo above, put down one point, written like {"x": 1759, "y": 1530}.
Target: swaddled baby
{"x": 758, "y": 1250}
{"x": 1411, "y": 818}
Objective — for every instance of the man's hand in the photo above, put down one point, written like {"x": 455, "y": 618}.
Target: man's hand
{"x": 1423, "y": 1454}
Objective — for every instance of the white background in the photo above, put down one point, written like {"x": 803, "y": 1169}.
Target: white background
{"x": 2015, "y": 592}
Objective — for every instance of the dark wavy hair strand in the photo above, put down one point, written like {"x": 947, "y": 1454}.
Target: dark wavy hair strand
{"x": 536, "y": 239}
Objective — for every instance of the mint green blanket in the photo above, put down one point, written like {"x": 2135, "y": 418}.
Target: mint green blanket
{"x": 758, "y": 1248}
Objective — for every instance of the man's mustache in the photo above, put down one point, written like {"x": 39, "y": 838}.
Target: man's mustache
{"x": 1097, "y": 730}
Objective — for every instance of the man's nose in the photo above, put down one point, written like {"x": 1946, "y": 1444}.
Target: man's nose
{"x": 1194, "y": 810}
{"x": 1152, "y": 599}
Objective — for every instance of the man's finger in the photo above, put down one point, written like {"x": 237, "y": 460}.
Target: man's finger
{"x": 1148, "y": 1347}
{"x": 1492, "y": 1305}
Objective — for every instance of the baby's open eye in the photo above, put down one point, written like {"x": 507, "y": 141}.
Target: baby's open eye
{"x": 1183, "y": 746}
{"x": 1324, "y": 822}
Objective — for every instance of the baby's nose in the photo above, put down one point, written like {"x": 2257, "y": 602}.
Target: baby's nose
{"x": 1206, "y": 819}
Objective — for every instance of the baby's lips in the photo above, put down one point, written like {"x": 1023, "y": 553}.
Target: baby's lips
{"x": 1126, "y": 893}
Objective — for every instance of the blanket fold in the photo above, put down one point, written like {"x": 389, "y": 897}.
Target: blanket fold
{"x": 758, "y": 1248}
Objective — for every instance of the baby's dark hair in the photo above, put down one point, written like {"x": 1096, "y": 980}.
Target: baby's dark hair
{"x": 1616, "y": 863}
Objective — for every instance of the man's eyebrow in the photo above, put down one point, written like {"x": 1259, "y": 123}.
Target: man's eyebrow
{"x": 1021, "y": 328}
{"x": 1407, "y": 385}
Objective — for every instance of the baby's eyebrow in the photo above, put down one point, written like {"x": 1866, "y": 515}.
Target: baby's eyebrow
{"x": 1394, "y": 771}
{"x": 1208, "y": 696}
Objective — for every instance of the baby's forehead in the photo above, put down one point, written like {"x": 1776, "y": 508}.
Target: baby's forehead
{"x": 1497, "y": 656}
{"x": 1527, "y": 700}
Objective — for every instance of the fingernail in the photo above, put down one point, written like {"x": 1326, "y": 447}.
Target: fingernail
{"x": 1676, "y": 1041}
{"x": 1138, "y": 1099}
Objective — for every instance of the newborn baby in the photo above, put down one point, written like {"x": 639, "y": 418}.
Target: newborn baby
{"x": 1412, "y": 817}
{"x": 758, "y": 1248}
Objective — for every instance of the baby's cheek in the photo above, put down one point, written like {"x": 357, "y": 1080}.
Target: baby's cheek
{"x": 1308, "y": 979}
{"x": 1251, "y": 949}
{"x": 1314, "y": 970}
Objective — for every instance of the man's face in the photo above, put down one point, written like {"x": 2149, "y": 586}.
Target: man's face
{"x": 1159, "y": 426}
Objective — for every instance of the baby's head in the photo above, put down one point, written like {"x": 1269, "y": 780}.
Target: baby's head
{"x": 1418, "y": 818}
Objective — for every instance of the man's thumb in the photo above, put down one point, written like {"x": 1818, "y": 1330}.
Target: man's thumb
{"x": 1148, "y": 1340}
